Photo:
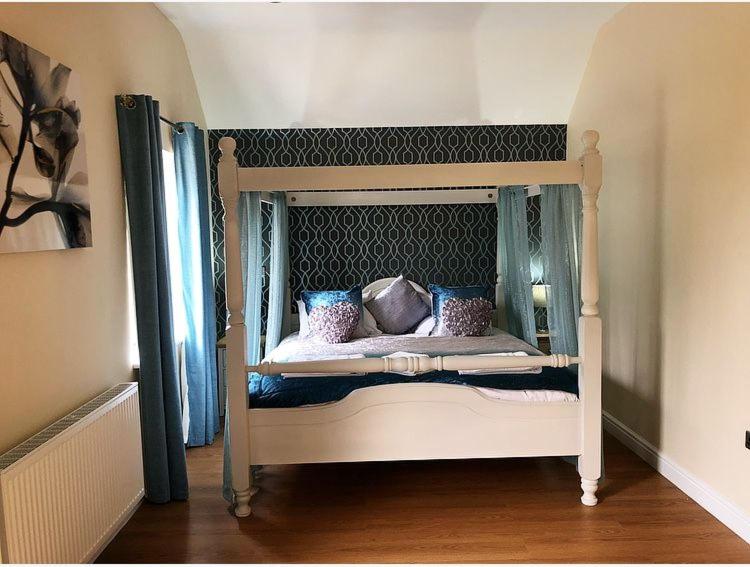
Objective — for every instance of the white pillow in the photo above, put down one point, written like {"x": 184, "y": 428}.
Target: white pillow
{"x": 366, "y": 328}
{"x": 304, "y": 326}
{"x": 425, "y": 327}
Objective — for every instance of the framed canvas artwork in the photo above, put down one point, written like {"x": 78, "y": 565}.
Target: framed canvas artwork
{"x": 44, "y": 204}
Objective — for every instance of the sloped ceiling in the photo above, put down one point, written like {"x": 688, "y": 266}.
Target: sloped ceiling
{"x": 347, "y": 65}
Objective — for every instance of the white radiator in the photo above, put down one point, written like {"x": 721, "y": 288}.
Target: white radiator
{"x": 65, "y": 492}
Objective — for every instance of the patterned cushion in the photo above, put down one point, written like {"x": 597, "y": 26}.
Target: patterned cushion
{"x": 467, "y": 317}
{"x": 334, "y": 323}
{"x": 329, "y": 298}
{"x": 462, "y": 311}
{"x": 398, "y": 308}
{"x": 367, "y": 327}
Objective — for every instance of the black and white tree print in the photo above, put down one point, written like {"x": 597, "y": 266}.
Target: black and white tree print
{"x": 45, "y": 198}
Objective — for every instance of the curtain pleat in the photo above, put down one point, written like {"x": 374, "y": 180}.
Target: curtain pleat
{"x": 194, "y": 229}
{"x": 251, "y": 253}
{"x": 165, "y": 471}
{"x": 278, "y": 289}
{"x": 513, "y": 239}
{"x": 561, "y": 237}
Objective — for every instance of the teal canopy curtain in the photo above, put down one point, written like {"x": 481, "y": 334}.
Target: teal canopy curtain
{"x": 278, "y": 289}
{"x": 194, "y": 230}
{"x": 561, "y": 252}
{"x": 515, "y": 260}
{"x": 251, "y": 251}
{"x": 165, "y": 471}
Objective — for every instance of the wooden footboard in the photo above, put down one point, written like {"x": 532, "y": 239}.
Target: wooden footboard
{"x": 413, "y": 422}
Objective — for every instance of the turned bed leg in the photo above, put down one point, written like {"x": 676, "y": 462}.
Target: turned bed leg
{"x": 589, "y": 491}
{"x": 242, "y": 502}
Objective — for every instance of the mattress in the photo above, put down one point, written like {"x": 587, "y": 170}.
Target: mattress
{"x": 551, "y": 384}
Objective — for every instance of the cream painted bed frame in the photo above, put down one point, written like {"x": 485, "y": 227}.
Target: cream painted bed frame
{"x": 414, "y": 421}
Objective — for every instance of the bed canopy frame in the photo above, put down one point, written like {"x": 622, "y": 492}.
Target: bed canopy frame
{"x": 370, "y": 423}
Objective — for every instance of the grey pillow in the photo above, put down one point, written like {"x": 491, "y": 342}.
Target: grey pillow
{"x": 398, "y": 308}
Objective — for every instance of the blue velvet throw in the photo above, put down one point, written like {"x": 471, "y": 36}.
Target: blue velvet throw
{"x": 279, "y": 392}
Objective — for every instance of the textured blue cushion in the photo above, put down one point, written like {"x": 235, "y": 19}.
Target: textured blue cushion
{"x": 469, "y": 311}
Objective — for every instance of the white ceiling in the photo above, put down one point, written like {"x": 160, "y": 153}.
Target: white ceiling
{"x": 339, "y": 65}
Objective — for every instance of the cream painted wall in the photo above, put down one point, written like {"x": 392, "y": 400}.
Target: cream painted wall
{"x": 64, "y": 314}
{"x": 667, "y": 86}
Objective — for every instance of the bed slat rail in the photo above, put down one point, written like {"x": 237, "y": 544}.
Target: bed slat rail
{"x": 412, "y": 364}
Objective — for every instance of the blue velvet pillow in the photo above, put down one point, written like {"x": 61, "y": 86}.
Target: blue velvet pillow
{"x": 462, "y": 311}
{"x": 334, "y": 315}
{"x": 313, "y": 299}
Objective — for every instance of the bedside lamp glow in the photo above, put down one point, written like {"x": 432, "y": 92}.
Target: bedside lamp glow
{"x": 539, "y": 293}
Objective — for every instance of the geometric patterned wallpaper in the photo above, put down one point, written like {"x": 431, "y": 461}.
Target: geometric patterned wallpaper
{"x": 335, "y": 247}
{"x": 338, "y": 247}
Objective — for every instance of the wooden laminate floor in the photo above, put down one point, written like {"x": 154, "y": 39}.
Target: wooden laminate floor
{"x": 504, "y": 510}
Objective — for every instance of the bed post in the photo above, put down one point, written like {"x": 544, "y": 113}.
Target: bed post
{"x": 237, "y": 393}
{"x": 590, "y": 325}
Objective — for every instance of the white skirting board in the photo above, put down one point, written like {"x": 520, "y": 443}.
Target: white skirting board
{"x": 713, "y": 502}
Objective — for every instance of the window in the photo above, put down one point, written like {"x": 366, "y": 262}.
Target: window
{"x": 179, "y": 318}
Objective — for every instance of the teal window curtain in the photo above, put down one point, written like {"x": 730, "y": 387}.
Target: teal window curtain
{"x": 251, "y": 252}
{"x": 515, "y": 260}
{"x": 164, "y": 467}
{"x": 561, "y": 238}
{"x": 194, "y": 230}
{"x": 277, "y": 325}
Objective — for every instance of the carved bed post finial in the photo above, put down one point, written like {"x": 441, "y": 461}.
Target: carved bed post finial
{"x": 592, "y": 183}
{"x": 227, "y": 146}
{"x": 236, "y": 334}
{"x": 590, "y": 140}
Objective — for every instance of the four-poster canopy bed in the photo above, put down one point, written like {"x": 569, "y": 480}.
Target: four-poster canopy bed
{"x": 413, "y": 421}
